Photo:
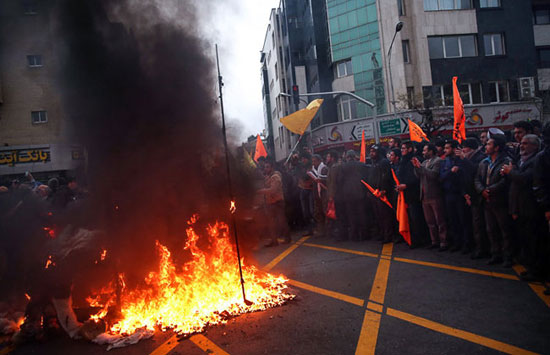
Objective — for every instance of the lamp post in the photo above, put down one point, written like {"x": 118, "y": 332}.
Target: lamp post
{"x": 398, "y": 28}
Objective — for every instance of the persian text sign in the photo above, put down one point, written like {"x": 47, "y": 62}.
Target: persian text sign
{"x": 24, "y": 156}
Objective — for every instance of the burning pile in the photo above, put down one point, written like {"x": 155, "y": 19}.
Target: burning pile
{"x": 204, "y": 291}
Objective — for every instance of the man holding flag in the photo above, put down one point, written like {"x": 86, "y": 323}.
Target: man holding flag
{"x": 381, "y": 179}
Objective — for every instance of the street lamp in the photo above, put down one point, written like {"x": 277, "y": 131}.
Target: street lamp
{"x": 398, "y": 28}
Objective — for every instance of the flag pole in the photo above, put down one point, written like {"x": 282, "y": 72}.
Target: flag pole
{"x": 232, "y": 208}
{"x": 293, "y": 149}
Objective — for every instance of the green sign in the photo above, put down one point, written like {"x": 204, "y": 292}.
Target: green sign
{"x": 390, "y": 127}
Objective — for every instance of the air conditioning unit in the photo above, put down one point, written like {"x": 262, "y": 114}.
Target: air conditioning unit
{"x": 526, "y": 87}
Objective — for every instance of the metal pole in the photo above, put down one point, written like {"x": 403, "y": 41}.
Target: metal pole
{"x": 220, "y": 83}
{"x": 391, "y": 78}
{"x": 359, "y": 98}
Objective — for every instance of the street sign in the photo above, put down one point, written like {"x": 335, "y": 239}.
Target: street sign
{"x": 356, "y": 131}
{"x": 390, "y": 127}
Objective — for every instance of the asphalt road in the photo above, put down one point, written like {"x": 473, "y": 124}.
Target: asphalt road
{"x": 363, "y": 298}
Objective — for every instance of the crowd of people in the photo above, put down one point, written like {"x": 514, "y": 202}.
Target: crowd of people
{"x": 487, "y": 196}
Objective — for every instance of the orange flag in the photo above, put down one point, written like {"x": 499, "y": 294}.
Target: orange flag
{"x": 459, "y": 128}
{"x": 402, "y": 216}
{"x": 363, "y": 158}
{"x": 416, "y": 133}
{"x": 377, "y": 193}
{"x": 260, "y": 149}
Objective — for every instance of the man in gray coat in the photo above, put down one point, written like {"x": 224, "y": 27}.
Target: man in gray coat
{"x": 431, "y": 195}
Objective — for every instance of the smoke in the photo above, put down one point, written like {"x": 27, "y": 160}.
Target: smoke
{"x": 139, "y": 85}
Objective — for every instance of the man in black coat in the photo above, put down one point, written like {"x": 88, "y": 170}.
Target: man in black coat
{"x": 382, "y": 180}
{"x": 493, "y": 187}
{"x": 523, "y": 205}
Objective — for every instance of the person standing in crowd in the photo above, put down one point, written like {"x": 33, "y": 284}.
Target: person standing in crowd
{"x": 523, "y": 206}
{"x": 305, "y": 184}
{"x": 431, "y": 195}
{"x": 320, "y": 172}
{"x": 521, "y": 128}
{"x": 440, "y": 147}
{"x": 351, "y": 211}
{"x": 394, "y": 158}
{"x": 451, "y": 172}
{"x": 472, "y": 155}
{"x": 541, "y": 188}
{"x": 333, "y": 167}
{"x": 410, "y": 185}
{"x": 275, "y": 204}
{"x": 382, "y": 180}
{"x": 483, "y": 139}
{"x": 493, "y": 187}
{"x": 395, "y": 143}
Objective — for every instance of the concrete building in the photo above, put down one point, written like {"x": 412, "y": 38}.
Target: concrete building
{"x": 34, "y": 129}
{"x": 541, "y": 29}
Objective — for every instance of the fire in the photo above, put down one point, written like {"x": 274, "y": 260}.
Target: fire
{"x": 103, "y": 254}
{"x": 204, "y": 291}
{"x": 49, "y": 262}
{"x": 27, "y": 296}
{"x": 50, "y": 232}
{"x": 233, "y": 207}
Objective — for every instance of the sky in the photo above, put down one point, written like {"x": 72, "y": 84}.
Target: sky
{"x": 239, "y": 28}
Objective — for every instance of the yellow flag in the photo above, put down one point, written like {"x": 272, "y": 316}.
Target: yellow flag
{"x": 249, "y": 163}
{"x": 417, "y": 134}
{"x": 299, "y": 120}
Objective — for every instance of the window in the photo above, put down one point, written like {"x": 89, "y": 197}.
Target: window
{"x": 39, "y": 117}
{"x": 443, "y": 95}
{"x": 470, "y": 93}
{"x": 441, "y": 5}
{"x": 344, "y": 68}
{"x": 29, "y": 7}
{"x": 543, "y": 56}
{"x": 494, "y": 44}
{"x": 541, "y": 15}
{"x": 499, "y": 91}
{"x": 489, "y": 3}
{"x": 401, "y": 7}
{"x": 452, "y": 46}
{"x": 34, "y": 60}
{"x": 276, "y": 72}
{"x": 347, "y": 108}
{"x": 406, "y": 52}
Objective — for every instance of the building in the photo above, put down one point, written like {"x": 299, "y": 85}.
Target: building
{"x": 492, "y": 46}
{"x": 34, "y": 129}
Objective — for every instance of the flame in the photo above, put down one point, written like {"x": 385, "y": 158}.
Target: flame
{"x": 103, "y": 254}
{"x": 27, "y": 296}
{"x": 49, "y": 262}
{"x": 50, "y": 232}
{"x": 233, "y": 207}
{"x": 204, "y": 291}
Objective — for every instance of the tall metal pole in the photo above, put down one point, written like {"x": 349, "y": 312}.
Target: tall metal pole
{"x": 234, "y": 222}
{"x": 398, "y": 28}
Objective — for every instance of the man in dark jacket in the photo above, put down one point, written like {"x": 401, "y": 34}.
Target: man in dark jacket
{"x": 523, "y": 205}
{"x": 410, "y": 185}
{"x": 473, "y": 155}
{"x": 451, "y": 176}
{"x": 382, "y": 180}
{"x": 493, "y": 187}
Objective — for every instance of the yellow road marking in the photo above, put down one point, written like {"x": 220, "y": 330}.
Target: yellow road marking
{"x": 458, "y": 268}
{"x": 537, "y": 288}
{"x": 340, "y": 296}
{"x": 284, "y": 254}
{"x": 166, "y": 346}
{"x": 378, "y": 290}
{"x": 349, "y": 251}
{"x": 387, "y": 249}
{"x": 206, "y": 345}
{"x": 471, "y": 337}
{"x": 375, "y": 307}
{"x": 369, "y": 333}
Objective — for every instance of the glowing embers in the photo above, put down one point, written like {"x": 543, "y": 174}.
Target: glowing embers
{"x": 204, "y": 291}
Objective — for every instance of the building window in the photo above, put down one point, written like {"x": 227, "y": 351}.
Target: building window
{"x": 34, "y": 60}
{"x": 499, "y": 91}
{"x": 494, "y": 44}
{"x": 441, "y": 5}
{"x": 406, "y": 52}
{"x": 452, "y": 46}
{"x": 39, "y": 117}
{"x": 30, "y": 7}
{"x": 489, "y": 3}
{"x": 543, "y": 56}
{"x": 276, "y": 72}
{"x": 541, "y": 15}
{"x": 347, "y": 108}
{"x": 343, "y": 68}
{"x": 442, "y": 95}
{"x": 401, "y": 7}
{"x": 470, "y": 93}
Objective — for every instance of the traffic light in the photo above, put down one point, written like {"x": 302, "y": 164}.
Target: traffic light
{"x": 296, "y": 95}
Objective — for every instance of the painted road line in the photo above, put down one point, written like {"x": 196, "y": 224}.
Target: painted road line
{"x": 375, "y": 307}
{"x": 458, "y": 268}
{"x": 284, "y": 254}
{"x": 369, "y": 333}
{"x": 457, "y": 333}
{"x": 349, "y": 251}
{"x": 166, "y": 346}
{"x": 537, "y": 288}
{"x": 340, "y": 296}
{"x": 206, "y": 345}
{"x": 371, "y": 322}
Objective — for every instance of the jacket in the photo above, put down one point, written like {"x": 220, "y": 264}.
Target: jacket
{"x": 406, "y": 176}
{"x": 522, "y": 199}
{"x": 452, "y": 182}
{"x": 488, "y": 177}
{"x": 273, "y": 188}
{"x": 428, "y": 173}
{"x": 541, "y": 179}
{"x": 348, "y": 181}
{"x": 469, "y": 174}
{"x": 381, "y": 177}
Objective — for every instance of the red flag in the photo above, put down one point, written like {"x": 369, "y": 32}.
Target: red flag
{"x": 363, "y": 158}
{"x": 416, "y": 133}
{"x": 401, "y": 213}
{"x": 459, "y": 128}
{"x": 260, "y": 149}
{"x": 377, "y": 193}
